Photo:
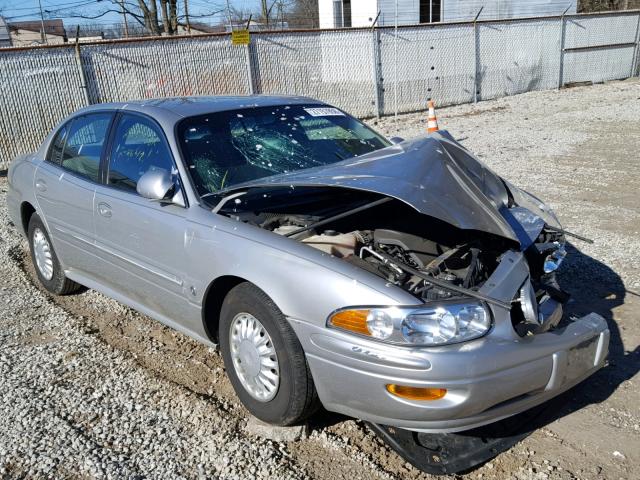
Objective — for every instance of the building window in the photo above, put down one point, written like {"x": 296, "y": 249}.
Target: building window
{"x": 430, "y": 11}
{"x": 346, "y": 13}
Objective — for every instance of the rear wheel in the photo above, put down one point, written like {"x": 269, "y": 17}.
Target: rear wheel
{"x": 264, "y": 359}
{"x": 45, "y": 261}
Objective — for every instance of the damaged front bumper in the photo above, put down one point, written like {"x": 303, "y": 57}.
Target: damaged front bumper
{"x": 487, "y": 379}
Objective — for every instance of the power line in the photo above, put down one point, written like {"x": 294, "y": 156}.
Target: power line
{"x": 74, "y": 3}
{"x": 37, "y": 11}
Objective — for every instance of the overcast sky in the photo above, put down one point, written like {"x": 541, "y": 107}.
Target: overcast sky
{"x": 68, "y": 10}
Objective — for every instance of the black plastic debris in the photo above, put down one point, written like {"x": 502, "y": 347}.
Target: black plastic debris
{"x": 449, "y": 453}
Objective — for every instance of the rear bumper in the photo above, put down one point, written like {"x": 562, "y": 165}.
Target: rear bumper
{"x": 487, "y": 379}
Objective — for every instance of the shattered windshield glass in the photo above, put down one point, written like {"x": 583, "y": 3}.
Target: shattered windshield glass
{"x": 227, "y": 148}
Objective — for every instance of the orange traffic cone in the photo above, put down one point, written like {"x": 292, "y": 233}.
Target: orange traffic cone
{"x": 432, "y": 122}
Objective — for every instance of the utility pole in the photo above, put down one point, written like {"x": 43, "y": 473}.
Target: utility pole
{"x": 265, "y": 12}
{"x": 186, "y": 16}
{"x": 229, "y": 15}
{"x": 124, "y": 17}
{"x": 280, "y": 15}
{"x": 43, "y": 34}
{"x": 395, "y": 66}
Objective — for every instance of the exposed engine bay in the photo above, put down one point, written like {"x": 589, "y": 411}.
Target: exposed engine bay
{"x": 428, "y": 258}
{"x": 373, "y": 238}
{"x": 466, "y": 265}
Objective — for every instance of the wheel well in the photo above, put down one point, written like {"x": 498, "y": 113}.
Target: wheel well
{"x": 212, "y": 303}
{"x": 26, "y": 210}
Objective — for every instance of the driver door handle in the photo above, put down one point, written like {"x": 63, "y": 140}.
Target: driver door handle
{"x": 104, "y": 209}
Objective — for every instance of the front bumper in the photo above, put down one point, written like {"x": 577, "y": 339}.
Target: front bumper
{"x": 487, "y": 379}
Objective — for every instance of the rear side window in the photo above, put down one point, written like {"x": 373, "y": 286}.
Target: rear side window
{"x": 83, "y": 148}
{"x": 55, "y": 152}
{"x": 138, "y": 146}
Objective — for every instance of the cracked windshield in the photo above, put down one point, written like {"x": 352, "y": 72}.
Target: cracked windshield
{"x": 226, "y": 148}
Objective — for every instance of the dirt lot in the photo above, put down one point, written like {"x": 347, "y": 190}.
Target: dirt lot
{"x": 89, "y": 388}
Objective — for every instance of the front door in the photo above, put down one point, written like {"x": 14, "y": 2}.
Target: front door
{"x": 140, "y": 241}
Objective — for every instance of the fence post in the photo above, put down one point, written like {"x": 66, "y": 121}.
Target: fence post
{"x": 636, "y": 49}
{"x": 563, "y": 31}
{"x": 249, "y": 62}
{"x": 395, "y": 65}
{"x": 377, "y": 70}
{"x": 476, "y": 56}
{"x": 83, "y": 78}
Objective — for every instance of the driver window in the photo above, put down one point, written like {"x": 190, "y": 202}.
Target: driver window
{"x": 138, "y": 146}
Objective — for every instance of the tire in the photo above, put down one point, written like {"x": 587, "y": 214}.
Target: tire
{"x": 295, "y": 397}
{"x": 51, "y": 276}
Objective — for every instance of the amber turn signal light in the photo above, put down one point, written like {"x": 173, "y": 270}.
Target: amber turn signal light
{"x": 352, "y": 320}
{"x": 416, "y": 393}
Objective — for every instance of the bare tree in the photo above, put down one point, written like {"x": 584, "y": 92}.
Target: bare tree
{"x": 149, "y": 14}
{"x": 303, "y": 14}
{"x": 168, "y": 12}
{"x": 606, "y": 5}
{"x": 156, "y": 16}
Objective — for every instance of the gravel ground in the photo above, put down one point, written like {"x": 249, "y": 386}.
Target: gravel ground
{"x": 91, "y": 389}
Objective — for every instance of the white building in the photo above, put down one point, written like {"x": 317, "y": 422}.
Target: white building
{"x": 362, "y": 13}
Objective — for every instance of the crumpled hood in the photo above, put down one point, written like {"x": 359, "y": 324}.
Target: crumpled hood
{"x": 435, "y": 175}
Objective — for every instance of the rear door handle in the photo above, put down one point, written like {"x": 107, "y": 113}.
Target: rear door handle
{"x": 41, "y": 185}
{"x": 104, "y": 209}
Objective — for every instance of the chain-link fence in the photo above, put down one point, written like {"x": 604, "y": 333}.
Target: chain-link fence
{"x": 368, "y": 72}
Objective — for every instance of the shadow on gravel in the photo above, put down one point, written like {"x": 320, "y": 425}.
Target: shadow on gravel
{"x": 595, "y": 287}
{"x": 3, "y": 173}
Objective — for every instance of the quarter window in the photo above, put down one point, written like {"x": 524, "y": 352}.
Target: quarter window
{"x": 55, "y": 152}
{"x": 83, "y": 148}
{"x": 138, "y": 146}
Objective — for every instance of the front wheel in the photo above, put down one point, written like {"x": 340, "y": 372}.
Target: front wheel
{"x": 264, "y": 359}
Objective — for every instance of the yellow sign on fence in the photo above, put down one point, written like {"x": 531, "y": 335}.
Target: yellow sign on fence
{"x": 240, "y": 37}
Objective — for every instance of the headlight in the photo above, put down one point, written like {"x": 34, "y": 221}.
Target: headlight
{"x": 426, "y": 325}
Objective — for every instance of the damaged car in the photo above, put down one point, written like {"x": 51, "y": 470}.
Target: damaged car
{"x": 399, "y": 282}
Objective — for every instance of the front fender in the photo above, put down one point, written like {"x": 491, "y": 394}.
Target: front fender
{"x": 305, "y": 283}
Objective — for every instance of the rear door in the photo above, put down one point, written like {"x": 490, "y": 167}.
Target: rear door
{"x": 65, "y": 185}
{"x": 141, "y": 242}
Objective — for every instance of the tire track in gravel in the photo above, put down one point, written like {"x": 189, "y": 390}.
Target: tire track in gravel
{"x": 62, "y": 409}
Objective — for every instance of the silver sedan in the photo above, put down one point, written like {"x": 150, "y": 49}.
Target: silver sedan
{"x": 400, "y": 282}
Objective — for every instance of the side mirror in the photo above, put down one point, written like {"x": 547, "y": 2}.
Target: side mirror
{"x": 396, "y": 140}
{"x": 155, "y": 184}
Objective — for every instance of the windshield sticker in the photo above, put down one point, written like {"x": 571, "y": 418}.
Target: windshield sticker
{"x": 324, "y": 112}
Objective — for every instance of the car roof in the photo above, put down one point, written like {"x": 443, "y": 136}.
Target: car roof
{"x": 191, "y": 106}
